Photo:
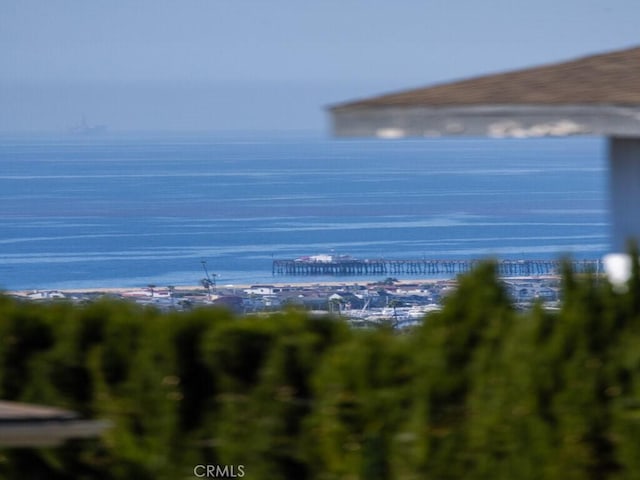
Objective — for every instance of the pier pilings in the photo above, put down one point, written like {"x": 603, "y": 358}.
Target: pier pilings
{"x": 425, "y": 267}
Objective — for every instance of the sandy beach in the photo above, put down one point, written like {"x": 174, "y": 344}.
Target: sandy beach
{"x": 199, "y": 288}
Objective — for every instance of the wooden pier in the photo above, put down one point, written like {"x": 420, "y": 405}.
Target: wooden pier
{"x": 506, "y": 268}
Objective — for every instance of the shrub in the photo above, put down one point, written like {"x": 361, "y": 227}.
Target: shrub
{"x": 478, "y": 391}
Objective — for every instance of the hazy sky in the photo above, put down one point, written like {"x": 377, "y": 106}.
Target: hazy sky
{"x": 269, "y": 65}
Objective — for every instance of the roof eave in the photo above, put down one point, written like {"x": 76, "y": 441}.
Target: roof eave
{"x": 491, "y": 120}
{"x": 48, "y": 434}
{"x": 27, "y": 425}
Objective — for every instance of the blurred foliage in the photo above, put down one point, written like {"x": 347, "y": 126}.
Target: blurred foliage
{"x": 479, "y": 391}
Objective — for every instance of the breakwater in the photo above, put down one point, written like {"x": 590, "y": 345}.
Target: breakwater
{"x": 506, "y": 268}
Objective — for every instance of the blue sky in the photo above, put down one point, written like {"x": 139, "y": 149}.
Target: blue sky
{"x": 249, "y": 64}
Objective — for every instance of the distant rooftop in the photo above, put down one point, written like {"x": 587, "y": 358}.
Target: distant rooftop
{"x": 605, "y": 79}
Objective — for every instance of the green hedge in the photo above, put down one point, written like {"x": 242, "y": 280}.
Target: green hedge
{"x": 480, "y": 391}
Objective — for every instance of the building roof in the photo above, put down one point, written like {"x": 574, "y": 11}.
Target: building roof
{"x": 606, "y": 79}
{"x": 25, "y": 425}
{"x": 22, "y": 412}
{"x": 595, "y": 95}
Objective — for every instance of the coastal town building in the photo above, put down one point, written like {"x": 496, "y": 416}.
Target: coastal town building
{"x": 367, "y": 304}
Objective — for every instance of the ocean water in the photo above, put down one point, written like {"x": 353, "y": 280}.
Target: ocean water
{"x": 130, "y": 210}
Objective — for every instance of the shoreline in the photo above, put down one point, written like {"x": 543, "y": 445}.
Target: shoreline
{"x": 192, "y": 288}
{"x": 199, "y": 288}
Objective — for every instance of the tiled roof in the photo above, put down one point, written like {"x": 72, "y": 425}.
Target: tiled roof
{"x": 605, "y": 79}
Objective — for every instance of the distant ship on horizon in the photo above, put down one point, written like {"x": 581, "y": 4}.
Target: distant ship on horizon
{"x": 84, "y": 128}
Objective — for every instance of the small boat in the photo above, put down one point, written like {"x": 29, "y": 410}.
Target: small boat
{"x": 85, "y": 129}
